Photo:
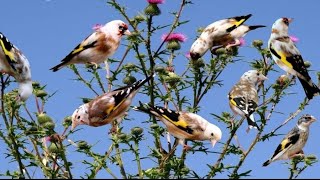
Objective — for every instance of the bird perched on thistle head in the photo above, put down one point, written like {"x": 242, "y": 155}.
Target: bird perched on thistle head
{"x": 14, "y": 63}
{"x": 184, "y": 125}
{"x": 285, "y": 53}
{"x": 243, "y": 97}
{"x": 108, "y": 107}
{"x": 235, "y": 37}
{"x": 97, "y": 47}
{"x": 291, "y": 146}
{"x": 221, "y": 33}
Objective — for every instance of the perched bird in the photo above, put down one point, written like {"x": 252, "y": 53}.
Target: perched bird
{"x": 220, "y": 33}
{"x": 291, "y": 146}
{"x": 14, "y": 63}
{"x": 97, "y": 47}
{"x": 285, "y": 53}
{"x": 184, "y": 125}
{"x": 234, "y": 37}
{"x": 243, "y": 97}
{"x": 108, "y": 107}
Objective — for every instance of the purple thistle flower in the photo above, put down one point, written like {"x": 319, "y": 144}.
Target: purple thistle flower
{"x": 242, "y": 42}
{"x": 155, "y": 1}
{"x": 294, "y": 39}
{"x": 188, "y": 55}
{"x": 97, "y": 27}
{"x": 174, "y": 37}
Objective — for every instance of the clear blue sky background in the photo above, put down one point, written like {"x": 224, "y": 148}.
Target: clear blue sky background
{"x": 47, "y": 30}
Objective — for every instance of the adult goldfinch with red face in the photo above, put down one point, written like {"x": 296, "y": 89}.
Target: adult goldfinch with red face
{"x": 14, "y": 63}
{"x": 285, "y": 53}
{"x": 108, "y": 107}
{"x": 292, "y": 145}
{"x": 216, "y": 34}
{"x": 184, "y": 125}
{"x": 97, "y": 47}
{"x": 243, "y": 97}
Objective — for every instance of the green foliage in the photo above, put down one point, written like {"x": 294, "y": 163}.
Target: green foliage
{"x": 26, "y": 136}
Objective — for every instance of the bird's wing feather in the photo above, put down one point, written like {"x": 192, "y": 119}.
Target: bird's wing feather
{"x": 101, "y": 106}
{"x": 286, "y": 143}
{"x": 7, "y": 48}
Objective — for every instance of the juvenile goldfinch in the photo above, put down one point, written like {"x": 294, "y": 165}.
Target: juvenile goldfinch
{"x": 184, "y": 125}
{"x": 14, "y": 63}
{"x": 285, "y": 53}
{"x": 243, "y": 97}
{"x": 235, "y": 36}
{"x": 108, "y": 107}
{"x": 97, "y": 47}
{"x": 292, "y": 145}
{"x": 215, "y": 34}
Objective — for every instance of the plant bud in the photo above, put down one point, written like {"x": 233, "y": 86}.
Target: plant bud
{"x": 307, "y": 64}
{"x": 43, "y": 118}
{"x": 83, "y": 145}
{"x": 154, "y": 126}
{"x": 67, "y": 121}
{"x": 159, "y": 69}
{"x": 173, "y": 45}
{"x": 152, "y": 9}
{"x": 139, "y": 18}
{"x": 54, "y": 148}
{"x": 129, "y": 80}
{"x": 137, "y": 131}
{"x": 41, "y": 93}
{"x": 49, "y": 125}
{"x": 257, "y": 43}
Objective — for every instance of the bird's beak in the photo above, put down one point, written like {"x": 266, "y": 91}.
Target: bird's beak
{"x": 262, "y": 77}
{"x": 313, "y": 119}
{"x": 127, "y": 32}
{"x": 290, "y": 20}
{"x": 213, "y": 142}
{"x": 74, "y": 125}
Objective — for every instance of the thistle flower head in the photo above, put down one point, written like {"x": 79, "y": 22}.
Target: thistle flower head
{"x": 294, "y": 39}
{"x": 242, "y": 42}
{"x": 97, "y": 27}
{"x": 155, "y": 1}
{"x": 174, "y": 37}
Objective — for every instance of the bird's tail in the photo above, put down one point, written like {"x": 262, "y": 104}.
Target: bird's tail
{"x": 146, "y": 108}
{"x": 256, "y": 27}
{"x": 58, "y": 67}
{"x": 252, "y": 123}
{"x": 266, "y": 163}
{"x": 310, "y": 88}
{"x": 136, "y": 85}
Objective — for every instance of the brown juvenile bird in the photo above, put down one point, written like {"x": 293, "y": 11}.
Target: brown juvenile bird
{"x": 108, "y": 107}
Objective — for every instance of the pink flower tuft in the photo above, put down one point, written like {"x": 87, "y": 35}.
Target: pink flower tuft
{"x": 155, "y": 1}
{"x": 97, "y": 27}
{"x": 174, "y": 37}
{"x": 294, "y": 39}
{"x": 242, "y": 42}
{"x": 188, "y": 55}
{"x": 47, "y": 139}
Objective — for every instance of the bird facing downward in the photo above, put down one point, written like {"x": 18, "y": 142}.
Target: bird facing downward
{"x": 108, "y": 107}
{"x": 243, "y": 97}
{"x": 184, "y": 125}
{"x": 286, "y": 55}
{"x": 97, "y": 47}
{"x": 221, "y": 33}
{"x": 291, "y": 146}
{"x": 14, "y": 63}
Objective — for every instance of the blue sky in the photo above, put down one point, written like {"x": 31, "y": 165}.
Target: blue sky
{"x": 47, "y": 30}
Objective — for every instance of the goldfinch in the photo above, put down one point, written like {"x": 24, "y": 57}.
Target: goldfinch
{"x": 285, "y": 53}
{"x": 14, "y": 63}
{"x": 97, "y": 47}
{"x": 184, "y": 125}
{"x": 235, "y": 36}
{"x": 293, "y": 143}
{"x": 215, "y": 34}
{"x": 243, "y": 97}
{"x": 108, "y": 107}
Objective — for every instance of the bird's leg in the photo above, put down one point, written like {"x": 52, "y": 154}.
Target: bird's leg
{"x": 300, "y": 154}
{"x": 184, "y": 144}
{"x": 169, "y": 141}
{"x": 238, "y": 142}
{"x": 114, "y": 129}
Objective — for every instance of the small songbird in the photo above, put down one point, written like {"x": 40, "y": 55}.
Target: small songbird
{"x": 234, "y": 39}
{"x": 291, "y": 146}
{"x": 14, "y": 63}
{"x": 184, "y": 125}
{"x": 219, "y": 33}
{"x": 97, "y": 47}
{"x": 108, "y": 107}
{"x": 285, "y": 53}
{"x": 243, "y": 97}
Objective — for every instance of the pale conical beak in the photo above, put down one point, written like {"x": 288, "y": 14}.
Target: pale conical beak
{"x": 213, "y": 142}
{"x": 290, "y": 20}
{"x": 262, "y": 77}
{"x": 127, "y": 32}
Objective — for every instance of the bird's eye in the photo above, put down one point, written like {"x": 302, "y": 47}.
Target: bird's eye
{"x": 286, "y": 21}
{"x": 211, "y": 134}
{"x": 122, "y": 28}
{"x": 258, "y": 74}
{"x": 78, "y": 117}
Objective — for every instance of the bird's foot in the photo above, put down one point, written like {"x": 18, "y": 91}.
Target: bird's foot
{"x": 186, "y": 147}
